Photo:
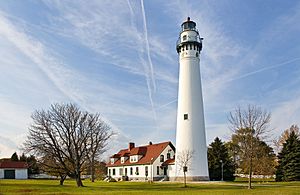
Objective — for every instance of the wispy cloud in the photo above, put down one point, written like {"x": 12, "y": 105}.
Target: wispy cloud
{"x": 110, "y": 98}
{"x": 150, "y": 74}
{"x": 125, "y": 65}
{"x": 56, "y": 71}
{"x": 36, "y": 52}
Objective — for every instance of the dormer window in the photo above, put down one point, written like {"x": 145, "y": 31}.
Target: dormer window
{"x": 184, "y": 38}
{"x": 123, "y": 159}
{"x": 112, "y": 160}
{"x": 134, "y": 158}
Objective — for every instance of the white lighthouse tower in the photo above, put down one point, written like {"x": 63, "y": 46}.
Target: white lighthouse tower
{"x": 190, "y": 133}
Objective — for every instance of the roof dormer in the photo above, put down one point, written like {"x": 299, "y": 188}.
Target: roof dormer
{"x": 123, "y": 159}
{"x": 114, "y": 158}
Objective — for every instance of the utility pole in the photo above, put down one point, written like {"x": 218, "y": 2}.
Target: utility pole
{"x": 222, "y": 164}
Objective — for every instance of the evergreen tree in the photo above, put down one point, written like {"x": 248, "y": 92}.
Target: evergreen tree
{"x": 33, "y": 167}
{"x": 23, "y": 158}
{"x": 288, "y": 168}
{"x": 217, "y": 157}
{"x": 14, "y": 157}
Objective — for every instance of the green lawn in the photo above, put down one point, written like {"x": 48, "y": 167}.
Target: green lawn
{"x": 100, "y": 187}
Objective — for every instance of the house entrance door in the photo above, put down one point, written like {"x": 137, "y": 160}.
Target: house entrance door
{"x": 165, "y": 170}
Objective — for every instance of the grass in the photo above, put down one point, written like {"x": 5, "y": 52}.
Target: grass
{"x": 29, "y": 187}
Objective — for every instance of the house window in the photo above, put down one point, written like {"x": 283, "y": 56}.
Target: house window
{"x": 137, "y": 170}
{"x": 185, "y": 116}
{"x": 121, "y": 171}
{"x": 114, "y": 172}
{"x": 184, "y": 38}
{"x": 134, "y": 158}
{"x": 125, "y": 171}
{"x": 168, "y": 155}
{"x": 162, "y": 158}
{"x": 146, "y": 171}
{"x": 157, "y": 170}
{"x": 108, "y": 172}
{"x": 131, "y": 171}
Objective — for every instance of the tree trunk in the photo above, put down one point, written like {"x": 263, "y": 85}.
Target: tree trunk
{"x": 78, "y": 181}
{"x": 250, "y": 174}
{"x": 93, "y": 170}
{"x": 62, "y": 179}
{"x": 184, "y": 179}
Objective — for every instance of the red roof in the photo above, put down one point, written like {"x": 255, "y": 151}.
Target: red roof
{"x": 13, "y": 164}
{"x": 148, "y": 152}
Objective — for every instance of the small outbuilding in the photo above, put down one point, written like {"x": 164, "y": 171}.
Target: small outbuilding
{"x": 13, "y": 169}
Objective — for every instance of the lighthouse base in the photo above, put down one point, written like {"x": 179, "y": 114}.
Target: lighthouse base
{"x": 190, "y": 178}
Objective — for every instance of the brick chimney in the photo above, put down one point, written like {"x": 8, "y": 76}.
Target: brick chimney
{"x": 131, "y": 145}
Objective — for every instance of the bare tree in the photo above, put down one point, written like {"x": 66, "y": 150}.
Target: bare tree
{"x": 284, "y": 136}
{"x": 97, "y": 142}
{"x": 52, "y": 167}
{"x": 183, "y": 161}
{"x": 249, "y": 126}
{"x": 67, "y": 134}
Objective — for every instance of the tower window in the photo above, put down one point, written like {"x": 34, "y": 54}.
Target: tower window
{"x": 185, "y": 116}
{"x": 162, "y": 158}
{"x": 194, "y": 47}
{"x": 168, "y": 155}
{"x": 197, "y": 54}
{"x": 184, "y": 38}
{"x": 191, "y": 47}
{"x": 187, "y": 47}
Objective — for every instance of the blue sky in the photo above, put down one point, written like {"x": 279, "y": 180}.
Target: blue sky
{"x": 118, "y": 57}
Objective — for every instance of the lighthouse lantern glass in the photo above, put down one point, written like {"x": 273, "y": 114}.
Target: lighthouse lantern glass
{"x": 188, "y": 26}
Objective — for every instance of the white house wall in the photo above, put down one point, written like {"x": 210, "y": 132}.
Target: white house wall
{"x": 21, "y": 174}
{"x": 1, "y": 173}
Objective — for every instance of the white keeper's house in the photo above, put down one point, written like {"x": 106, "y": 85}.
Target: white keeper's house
{"x": 149, "y": 162}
